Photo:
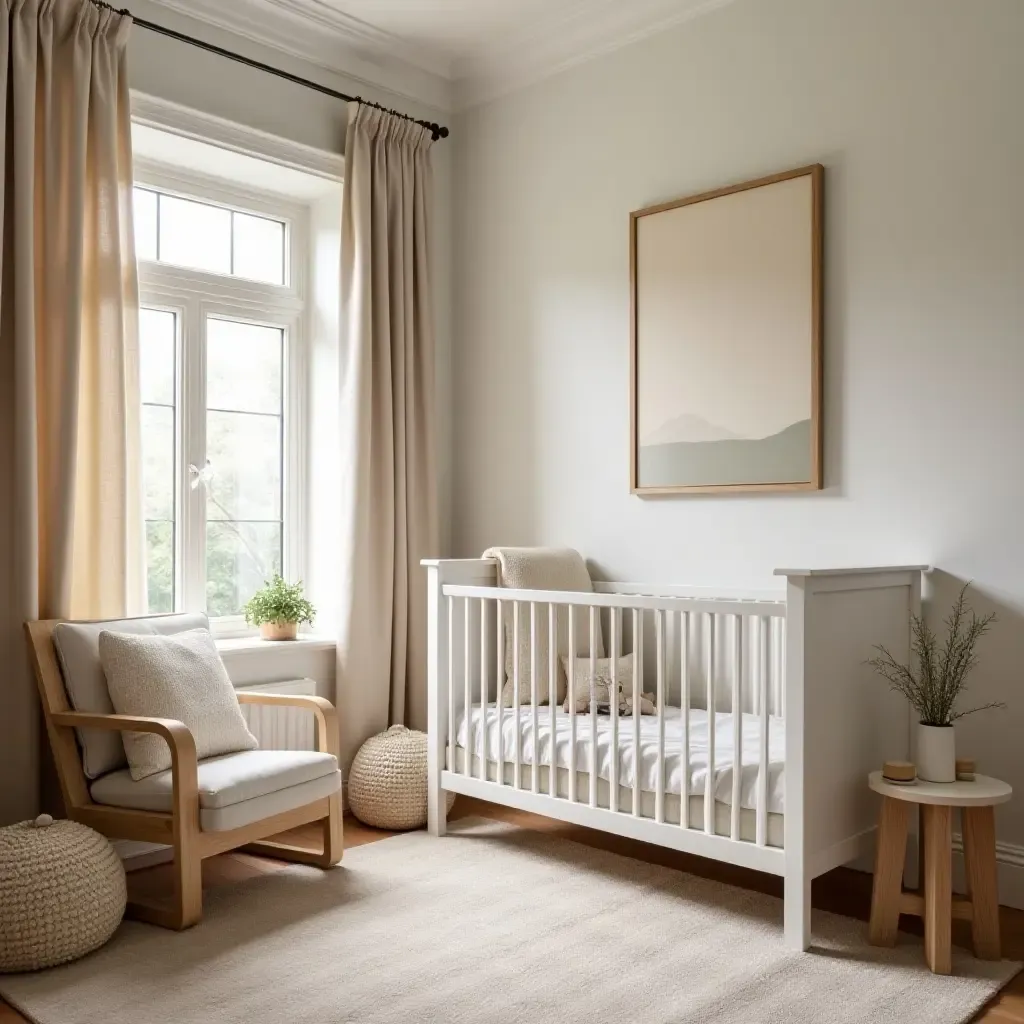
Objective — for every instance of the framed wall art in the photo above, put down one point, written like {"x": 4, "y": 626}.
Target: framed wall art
{"x": 726, "y": 315}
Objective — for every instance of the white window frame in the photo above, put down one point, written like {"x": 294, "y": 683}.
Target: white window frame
{"x": 194, "y": 295}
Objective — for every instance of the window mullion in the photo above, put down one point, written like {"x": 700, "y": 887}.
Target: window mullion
{"x": 194, "y": 433}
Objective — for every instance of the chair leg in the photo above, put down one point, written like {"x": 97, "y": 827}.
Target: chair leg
{"x": 188, "y": 887}
{"x": 333, "y": 843}
{"x": 334, "y": 833}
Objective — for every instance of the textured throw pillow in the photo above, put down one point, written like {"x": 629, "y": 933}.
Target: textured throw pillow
{"x": 179, "y": 676}
{"x": 601, "y": 683}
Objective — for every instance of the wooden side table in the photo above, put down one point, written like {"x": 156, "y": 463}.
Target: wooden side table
{"x": 934, "y": 902}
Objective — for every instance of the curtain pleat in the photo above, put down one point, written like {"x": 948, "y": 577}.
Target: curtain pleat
{"x": 389, "y": 472}
{"x": 68, "y": 340}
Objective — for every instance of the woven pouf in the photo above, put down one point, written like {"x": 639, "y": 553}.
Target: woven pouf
{"x": 387, "y": 783}
{"x": 62, "y": 893}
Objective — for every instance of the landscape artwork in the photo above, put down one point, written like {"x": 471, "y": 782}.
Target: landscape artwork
{"x": 726, "y": 339}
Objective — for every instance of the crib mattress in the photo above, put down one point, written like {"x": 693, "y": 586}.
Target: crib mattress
{"x": 470, "y": 732}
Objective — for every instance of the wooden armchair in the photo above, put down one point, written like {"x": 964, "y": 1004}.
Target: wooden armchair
{"x": 182, "y": 821}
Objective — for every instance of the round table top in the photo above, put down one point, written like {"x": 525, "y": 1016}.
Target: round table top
{"x": 982, "y": 792}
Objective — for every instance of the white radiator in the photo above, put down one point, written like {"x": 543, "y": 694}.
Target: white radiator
{"x": 279, "y": 728}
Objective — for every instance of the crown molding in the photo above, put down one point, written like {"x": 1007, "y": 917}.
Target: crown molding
{"x": 315, "y": 32}
{"x": 581, "y": 33}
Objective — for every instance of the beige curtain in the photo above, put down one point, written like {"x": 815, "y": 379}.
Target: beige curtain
{"x": 71, "y": 541}
{"x": 388, "y": 493}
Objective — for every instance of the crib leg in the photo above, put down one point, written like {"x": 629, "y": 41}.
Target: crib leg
{"x": 437, "y": 811}
{"x": 797, "y": 911}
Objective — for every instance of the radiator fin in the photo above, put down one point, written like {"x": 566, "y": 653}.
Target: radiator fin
{"x": 282, "y": 728}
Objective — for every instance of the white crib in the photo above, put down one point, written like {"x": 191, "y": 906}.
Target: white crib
{"x": 768, "y": 718}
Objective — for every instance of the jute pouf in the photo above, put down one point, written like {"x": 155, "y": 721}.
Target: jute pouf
{"x": 62, "y": 893}
{"x": 387, "y": 784}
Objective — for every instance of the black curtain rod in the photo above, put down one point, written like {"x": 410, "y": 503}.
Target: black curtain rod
{"x": 437, "y": 131}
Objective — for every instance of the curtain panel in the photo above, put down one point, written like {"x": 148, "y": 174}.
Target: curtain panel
{"x": 388, "y": 461}
{"x": 72, "y": 526}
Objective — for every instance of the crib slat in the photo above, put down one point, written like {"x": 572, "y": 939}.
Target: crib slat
{"x": 516, "y": 706}
{"x": 659, "y": 788}
{"x": 762, "y": 766}
{"x": 778, "y": 653}
{"x": 614, "y": 646}
{"x": 572, "y": 703}
{"x": 483, "y": 690}
{"x": 684, "y": 715}
{"x": 499, "y": 657}
{"x": 638, "y": 644}
{"x": 452, "y": 766}
{"x": 467, "y": 693}
{"x": 552, "y": 694}
{"x": 709, "y": 781}
{"x": 535, "y": 770}
{"x": 737, "y": 724}
{"x": 593, "y": 708}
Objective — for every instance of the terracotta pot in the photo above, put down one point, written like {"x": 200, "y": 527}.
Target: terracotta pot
{"x": 279, "y": 630}
{"x": 936, "y": 753}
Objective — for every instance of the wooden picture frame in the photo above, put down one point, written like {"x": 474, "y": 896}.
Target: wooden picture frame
{"x": 759, "y": 243}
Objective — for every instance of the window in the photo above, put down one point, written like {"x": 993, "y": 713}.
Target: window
{"x": 221, "y": 369}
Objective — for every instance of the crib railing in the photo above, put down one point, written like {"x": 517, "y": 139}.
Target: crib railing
{"x": 716, "y": 654}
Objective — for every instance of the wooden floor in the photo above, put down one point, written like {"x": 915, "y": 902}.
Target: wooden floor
{"x": 841, "y": 891}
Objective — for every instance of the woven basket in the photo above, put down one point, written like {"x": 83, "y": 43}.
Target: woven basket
{"x": 387, "y": 784}
{"x": 62, "y": 893}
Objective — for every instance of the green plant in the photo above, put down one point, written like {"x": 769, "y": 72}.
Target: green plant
{"x": 278, "y": 601}
{"x": 942, "y": 671}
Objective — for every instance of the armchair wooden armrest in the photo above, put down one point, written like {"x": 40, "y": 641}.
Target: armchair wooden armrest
{"x": 184, "y": 761}
{"x": 325, "y": 712}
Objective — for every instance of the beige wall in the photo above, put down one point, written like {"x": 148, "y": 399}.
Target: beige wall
{"x": 914, "y": 109}
{"x": 183, "y": 74}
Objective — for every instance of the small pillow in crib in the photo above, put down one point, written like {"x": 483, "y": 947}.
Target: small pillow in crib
{"x": 602, "y": 685}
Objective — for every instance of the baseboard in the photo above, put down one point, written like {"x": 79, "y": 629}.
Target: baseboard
{"x": 1009, "y": 865}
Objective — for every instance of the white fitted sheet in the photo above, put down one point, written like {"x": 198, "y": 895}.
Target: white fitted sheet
{"x": 521, "y": 720}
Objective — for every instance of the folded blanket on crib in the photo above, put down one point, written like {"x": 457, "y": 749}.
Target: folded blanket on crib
{"x": 542, "y": 569}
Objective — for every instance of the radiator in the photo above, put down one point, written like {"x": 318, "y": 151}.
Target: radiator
{"x": 279, "y": 728}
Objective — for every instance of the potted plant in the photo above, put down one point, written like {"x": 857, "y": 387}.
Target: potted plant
{"x": 940, "y": 679}
{"x": 278, "y": 608}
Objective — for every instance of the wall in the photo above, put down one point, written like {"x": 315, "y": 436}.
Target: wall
{"x": 174, "y": 71}
{"x": 913, "y": 107}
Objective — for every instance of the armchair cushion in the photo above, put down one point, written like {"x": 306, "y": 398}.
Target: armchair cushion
{"x": 234, "y": 789}
{"x": 179, "y": 677}
{"x": 77, "y": 645}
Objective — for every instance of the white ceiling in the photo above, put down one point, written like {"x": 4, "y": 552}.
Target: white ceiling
{"x": 447, "y": 53}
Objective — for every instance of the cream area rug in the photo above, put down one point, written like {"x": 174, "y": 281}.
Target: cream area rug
{"x": 496, "y": 924}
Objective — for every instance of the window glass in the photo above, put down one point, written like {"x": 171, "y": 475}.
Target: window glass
{"x": 258, "y": 248}
{"x": 244, "y": 445}
{"x": 157, "y": 344}
{"x": 195, "y": 235}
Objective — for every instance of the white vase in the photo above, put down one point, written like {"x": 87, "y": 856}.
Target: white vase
{"x": 936, "y": 753}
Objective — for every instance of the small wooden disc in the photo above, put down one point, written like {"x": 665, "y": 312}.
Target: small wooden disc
{"x": 899, "y": 771}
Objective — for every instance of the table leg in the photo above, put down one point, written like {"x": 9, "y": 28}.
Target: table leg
{"x": 979, "y": 833}
{"x": 938, "y": 887}
{"x": 890, "y": 852}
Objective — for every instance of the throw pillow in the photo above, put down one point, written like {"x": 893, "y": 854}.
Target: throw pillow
{"x": 179, "y": 676}
{"x": 601, "y": 684}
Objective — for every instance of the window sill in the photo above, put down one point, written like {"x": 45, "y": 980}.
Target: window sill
{"x": 251, "y": 645}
